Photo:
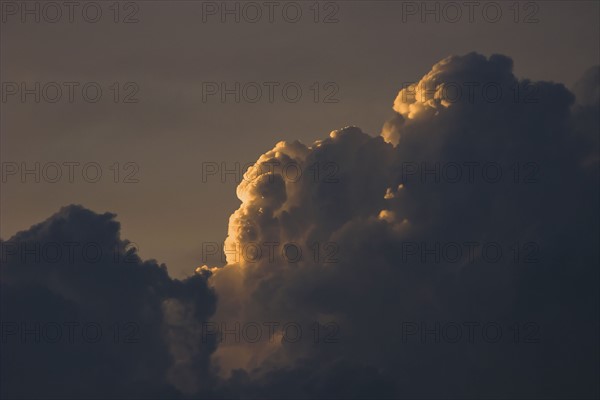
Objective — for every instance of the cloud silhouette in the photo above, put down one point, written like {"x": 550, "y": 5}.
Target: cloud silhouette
{"x": 474, "y": 206}
{"x": 84, "y": 316}
{"x": 454, "y": 255}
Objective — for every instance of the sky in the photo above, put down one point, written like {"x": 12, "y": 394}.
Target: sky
{"x": 368, "y": 55}
{"x": 419, "y": 219}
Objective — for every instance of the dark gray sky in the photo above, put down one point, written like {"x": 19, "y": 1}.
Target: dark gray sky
{"x": 371, "y": 51}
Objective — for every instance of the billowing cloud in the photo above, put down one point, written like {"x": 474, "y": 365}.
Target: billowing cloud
{"x": 454, "y": 255}
{"x": 84, "y": 316}
{"x": 475, "y": 206}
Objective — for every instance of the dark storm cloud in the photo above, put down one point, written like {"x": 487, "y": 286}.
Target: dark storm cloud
{"x": 93, "y": 321}
{"x": 544, "y": 204}
{"x": 386, "y": 202}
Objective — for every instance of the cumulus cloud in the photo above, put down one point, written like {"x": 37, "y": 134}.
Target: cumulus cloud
{"x": 83, "y": 316}
{"x": 473, "y": 155}
{"x": 475, "y": 207}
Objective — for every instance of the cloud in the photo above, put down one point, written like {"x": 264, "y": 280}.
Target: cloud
{"x": 586, "y": 122}
{"x": 498, "y": 168}
{"x": 454, "y": 255}
{"x": 587, "y": 88}
{"x": 84, "y": 316}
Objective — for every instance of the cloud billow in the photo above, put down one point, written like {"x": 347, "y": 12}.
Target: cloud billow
{"x": 416, "y": 216}
{"x": 392, "y": 197}
{"x": 92, "y": 321}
